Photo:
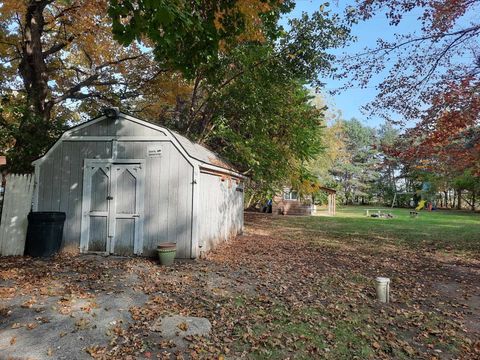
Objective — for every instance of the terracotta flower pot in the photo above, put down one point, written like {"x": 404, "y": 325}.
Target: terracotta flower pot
{"x": 166, "y": 253}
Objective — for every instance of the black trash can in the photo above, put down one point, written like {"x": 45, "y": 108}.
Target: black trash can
{"x": 44, "y": 233}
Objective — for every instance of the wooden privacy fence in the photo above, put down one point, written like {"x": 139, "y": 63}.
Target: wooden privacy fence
{"x": 17, "y": 203}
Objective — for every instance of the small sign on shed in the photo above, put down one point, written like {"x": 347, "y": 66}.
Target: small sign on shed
{"x": 154, "y": 151}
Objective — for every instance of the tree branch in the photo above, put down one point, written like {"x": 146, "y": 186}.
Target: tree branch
{"x": 436, "y": 62}
{"x": 57, "y": 47}
{"x": 63, "y": 12}
{"x": 72, "y": 92}
{"x": 116, "y": 62}
{"x": 393, "y": 46}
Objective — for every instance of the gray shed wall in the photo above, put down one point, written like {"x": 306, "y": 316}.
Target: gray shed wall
{"x": 60, "y": 183}
{"x": 168, "y": 186}
{"x": 220, "y": 210}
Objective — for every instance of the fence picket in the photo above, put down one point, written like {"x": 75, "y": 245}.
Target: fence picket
{"x": 17, "y": 203}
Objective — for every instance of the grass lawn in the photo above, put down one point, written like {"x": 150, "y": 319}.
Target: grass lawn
{"x": 289, "y": 288}
{"x": 440, "y": 230}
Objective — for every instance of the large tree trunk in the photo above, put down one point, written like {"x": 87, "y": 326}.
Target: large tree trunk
{"x": 459, "y": 201}
{"x": 33, "y": 68}
{"x": 35, "y": 124}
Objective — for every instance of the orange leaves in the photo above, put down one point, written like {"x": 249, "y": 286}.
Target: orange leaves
{"x": 251, "y": 11}
{"x": 449, "y": 134}
{"x": 89, "y": 24}
{"x": 78, "y": 57}
{"x": 183, "y": 326}
{"x": 10, "y": 8}
{"x": 96, "y": 351}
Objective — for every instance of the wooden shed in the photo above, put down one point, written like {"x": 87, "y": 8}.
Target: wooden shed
{"x": 128, "y": 185}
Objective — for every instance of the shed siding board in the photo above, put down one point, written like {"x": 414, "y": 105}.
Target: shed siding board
{"x": 184, "y": 208}
{"x": 220, "y": 210}
{"x": 74, "y": 197}
{"x": 106, "y": 127}
{"x": 179, "y": 195}
{"x": 57, "y": 178}
{"x": 172, "y": 200}
{"x": 69, "y": 165}
{"x": 148, "y": 225}
{"x": 65, "y": 179}
{"x": 162, "y": 203}
{"x": 46, "y": 190}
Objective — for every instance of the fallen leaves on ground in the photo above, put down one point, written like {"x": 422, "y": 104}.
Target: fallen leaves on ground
{"x": 276, "y": 292}
{"x": 183, "y": 326}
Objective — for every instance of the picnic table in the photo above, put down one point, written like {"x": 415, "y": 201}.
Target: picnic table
{"x": 378, "y": 211}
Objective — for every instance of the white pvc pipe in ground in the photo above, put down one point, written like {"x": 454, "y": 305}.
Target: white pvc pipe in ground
{"x": 382, "y": 284}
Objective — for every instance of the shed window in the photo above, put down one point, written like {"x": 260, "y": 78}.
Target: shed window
{"x": 290, "y": 195}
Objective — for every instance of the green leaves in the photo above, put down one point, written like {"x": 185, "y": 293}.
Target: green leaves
{"x": 185, "y": 34}
{"x": 249, "y": 100}
{"x": 357, "y": 169}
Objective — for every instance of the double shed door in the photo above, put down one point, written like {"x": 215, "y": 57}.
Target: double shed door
{"x": 112, "y": 207}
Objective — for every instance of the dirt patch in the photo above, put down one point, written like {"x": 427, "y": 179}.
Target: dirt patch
{"x": 61, "y": 308}
{"x": 463, "y": 301}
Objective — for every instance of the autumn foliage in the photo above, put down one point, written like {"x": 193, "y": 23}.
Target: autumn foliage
{"x": 432, "y": 79}
{"x": 450, "y": 137}
{"x": 423, "y": 72}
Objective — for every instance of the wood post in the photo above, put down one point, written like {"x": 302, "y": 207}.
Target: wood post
{"x": 334, "y": 204}
{"x": 331, "y": 204}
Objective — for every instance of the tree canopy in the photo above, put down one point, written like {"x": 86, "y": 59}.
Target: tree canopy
{"x": 432, "y": 79}
{"x": 186, "y": 35}
{"x": 58, "y": 58}
{"x": 224, "y": 73}
{"x": 421, "y": 66}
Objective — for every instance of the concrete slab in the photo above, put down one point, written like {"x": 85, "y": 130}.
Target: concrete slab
{"x": 177, "y": 328}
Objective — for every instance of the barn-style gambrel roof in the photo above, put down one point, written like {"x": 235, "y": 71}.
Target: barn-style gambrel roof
{"x": 125, "y": 126}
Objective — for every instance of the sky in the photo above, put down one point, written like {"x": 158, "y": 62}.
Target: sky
{"x": 350, "y": 102}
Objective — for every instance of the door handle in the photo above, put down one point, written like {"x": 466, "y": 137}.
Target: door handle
{"x": 109, "y": 197}
{"x": 136, "y": 215}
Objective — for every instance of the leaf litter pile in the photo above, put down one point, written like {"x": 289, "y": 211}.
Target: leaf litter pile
{"x": 276, "y": 292}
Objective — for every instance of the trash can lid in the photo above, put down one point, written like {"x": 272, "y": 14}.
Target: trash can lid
{"x": 50, "y": 216}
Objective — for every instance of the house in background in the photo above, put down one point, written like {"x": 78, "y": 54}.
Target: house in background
{"x": 127, "y": 185}
{"x": 290, "y": 202}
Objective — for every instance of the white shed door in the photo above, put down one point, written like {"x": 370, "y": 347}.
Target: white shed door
{"x": 112, "y": 207}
